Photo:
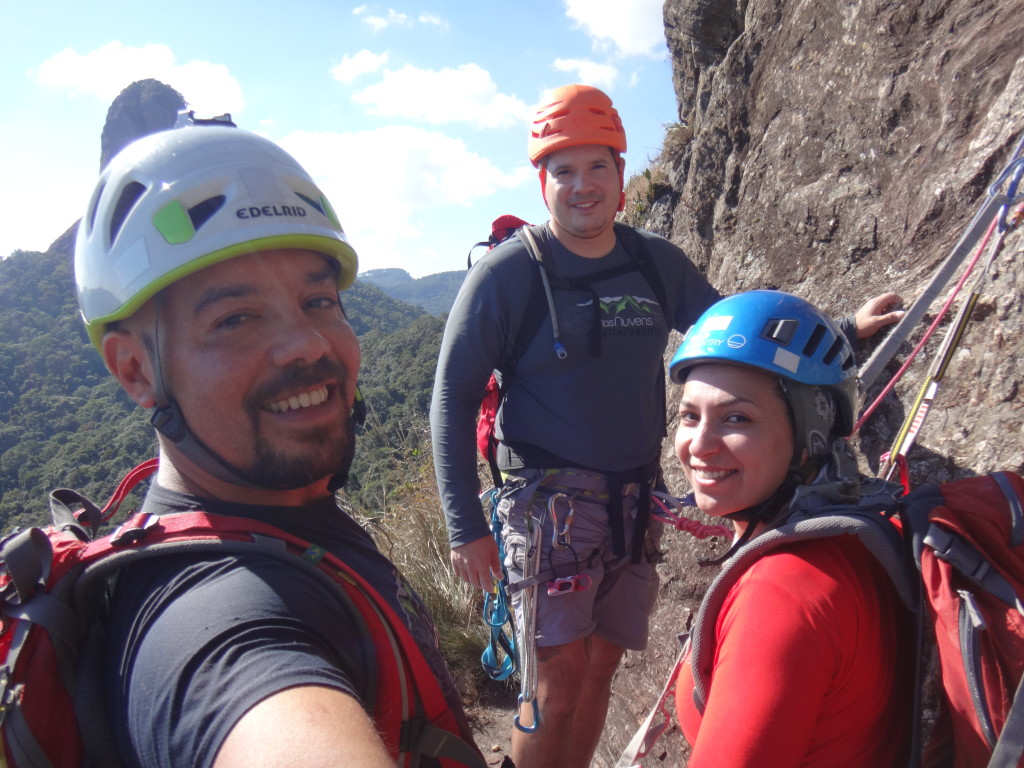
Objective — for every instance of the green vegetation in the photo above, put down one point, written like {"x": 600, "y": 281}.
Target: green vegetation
{"x": 433, "y": 293}
{"x": 644, "y": 188}
{"x": 64, "y": 422}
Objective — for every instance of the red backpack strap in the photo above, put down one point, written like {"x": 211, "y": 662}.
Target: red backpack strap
{"x": 421, "y": 724}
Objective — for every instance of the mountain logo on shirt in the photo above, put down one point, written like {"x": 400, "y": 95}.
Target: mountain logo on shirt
{"x": 628, "y": 314}
{"x": 616, "y": 305}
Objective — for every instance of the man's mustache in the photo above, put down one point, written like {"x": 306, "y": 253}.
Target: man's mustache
{"x": 299, "y": 376}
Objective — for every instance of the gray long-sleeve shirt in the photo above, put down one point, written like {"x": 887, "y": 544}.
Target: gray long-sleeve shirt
{"x": 602, "y": 412}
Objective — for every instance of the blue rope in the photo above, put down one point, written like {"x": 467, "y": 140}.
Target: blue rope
{"x": 500, "y": 658}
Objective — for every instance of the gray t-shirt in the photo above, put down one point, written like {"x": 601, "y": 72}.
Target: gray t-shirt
{"x": 603, "y": 412}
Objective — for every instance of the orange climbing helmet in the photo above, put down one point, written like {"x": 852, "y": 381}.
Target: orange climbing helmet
{"x": 574, "y": 115}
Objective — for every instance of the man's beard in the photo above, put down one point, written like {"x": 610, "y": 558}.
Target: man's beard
{"x": 327, "y": 451}
{"x": 326, "y": 455}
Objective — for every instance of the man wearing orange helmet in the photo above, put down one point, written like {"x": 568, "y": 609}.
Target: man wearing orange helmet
{"x": 579, "y": 431}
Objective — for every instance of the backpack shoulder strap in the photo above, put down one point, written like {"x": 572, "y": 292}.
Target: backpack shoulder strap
{"x": 540, "y": 303}
{"x": 1010, "y": 745}
{"x": 423, "y": 706}
{"x": 879, "y": 534}
{"x": 637, "y": 249}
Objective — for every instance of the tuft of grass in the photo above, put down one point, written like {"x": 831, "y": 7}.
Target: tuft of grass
{"x": 411, "y": 532}
{"x": 644, "y": 188}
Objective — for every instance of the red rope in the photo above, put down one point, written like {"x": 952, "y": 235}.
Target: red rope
{"x": 682, "y": 523}
{"x": 928, "y": 334}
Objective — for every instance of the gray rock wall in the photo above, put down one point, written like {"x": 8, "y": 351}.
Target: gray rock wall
{"x": 837, "y": 150}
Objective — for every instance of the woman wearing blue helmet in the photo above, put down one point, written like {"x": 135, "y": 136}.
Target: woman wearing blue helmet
{"x": 800, "y": 652}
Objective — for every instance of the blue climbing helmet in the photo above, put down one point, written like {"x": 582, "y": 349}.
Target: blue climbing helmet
{"x": 787, "y": 336}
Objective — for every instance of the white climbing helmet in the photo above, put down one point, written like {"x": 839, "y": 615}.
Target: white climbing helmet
{"x": 177, "y": 201}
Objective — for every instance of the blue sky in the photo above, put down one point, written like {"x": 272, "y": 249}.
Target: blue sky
{"x": 412, "y": 116}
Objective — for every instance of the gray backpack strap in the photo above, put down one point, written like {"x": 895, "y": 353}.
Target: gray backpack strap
{"x": 1010, "y": 746}
{"x": 879, "y": 535}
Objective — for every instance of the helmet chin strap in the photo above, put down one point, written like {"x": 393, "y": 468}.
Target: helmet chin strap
{"x": 763, "y": 512}
{"x": 167, "y": 419}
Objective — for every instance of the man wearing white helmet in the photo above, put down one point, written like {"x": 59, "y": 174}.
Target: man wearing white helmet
{"x": 209, "y": 268}
{"x": 585, "y": 424}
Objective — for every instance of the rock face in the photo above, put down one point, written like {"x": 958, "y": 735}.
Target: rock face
{"x": 837, "y": 151}
{"x": 144, "y": 107}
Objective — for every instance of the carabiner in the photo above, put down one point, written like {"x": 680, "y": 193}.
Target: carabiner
{"x": 560, "y": 536}
{"x": 495, "y": 611}
{"x": 536, "y": 716}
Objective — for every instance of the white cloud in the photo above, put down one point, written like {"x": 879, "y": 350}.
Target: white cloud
{"x": 466, "y": 94}
{"x": 630, "y": 28}
{"x": 209, "y": 88}
{"x": 362, "y": 63}
{"x": 433, "y": 19}
{"x": 589, "y": 72}
{"x": 378, "y": 23}
{"x": 381, "y": 182}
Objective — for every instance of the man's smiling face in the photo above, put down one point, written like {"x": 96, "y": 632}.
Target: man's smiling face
{"x": 258, "y": 354}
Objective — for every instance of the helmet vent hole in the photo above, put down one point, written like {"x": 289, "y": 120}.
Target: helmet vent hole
{"x": 202, "y": 212}
{"x": 814, "y": 341}
{"x": 129, "y": 197}
{"x": 780, "y": 330}
{"x": 833, "y": 351}
{"x": 90, "y": 220}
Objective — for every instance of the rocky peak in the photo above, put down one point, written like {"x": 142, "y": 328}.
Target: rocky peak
{"x": 144, "y": 107}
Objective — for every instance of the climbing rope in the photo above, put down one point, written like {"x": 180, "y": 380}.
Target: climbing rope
{"x": 1002, "y": 221}
{"x": 500, "y": 658}
{"x": 528, "y": 643}
{"x": 995, "y": 205}
{"x": 926, "y": 395}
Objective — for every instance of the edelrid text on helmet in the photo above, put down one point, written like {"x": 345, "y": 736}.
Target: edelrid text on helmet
{"x": 572, "y": 116}
{"x": 177, "y": 201}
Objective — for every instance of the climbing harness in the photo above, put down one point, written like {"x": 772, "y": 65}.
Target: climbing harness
{"x": 995, "y": 206}
{"x": 520, "y": 649}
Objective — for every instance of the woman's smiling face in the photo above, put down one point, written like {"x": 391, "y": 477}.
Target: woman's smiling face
{"x": 735, "y": 438}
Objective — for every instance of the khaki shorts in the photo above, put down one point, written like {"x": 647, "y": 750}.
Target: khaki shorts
{"x": 593, "y": 589}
